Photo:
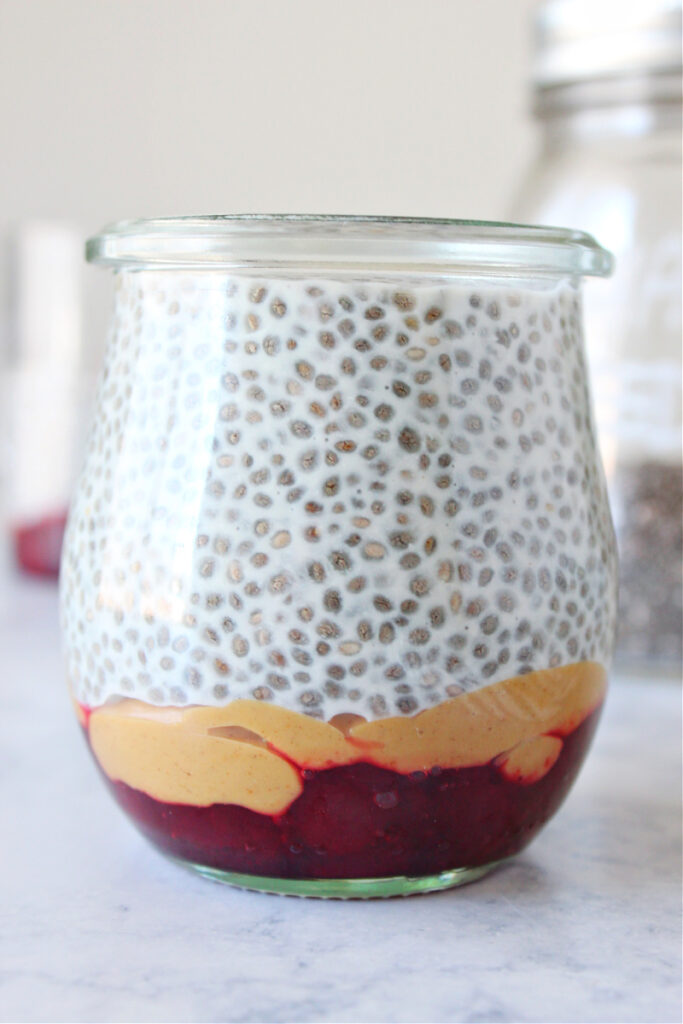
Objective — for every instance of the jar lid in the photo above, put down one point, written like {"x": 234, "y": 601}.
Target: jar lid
{"x": 578, "y": 40}
{"x": 295, "y": 242}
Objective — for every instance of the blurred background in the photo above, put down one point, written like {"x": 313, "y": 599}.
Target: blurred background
{"x": 560, "y": 112}
{"x": 138, "y": 108}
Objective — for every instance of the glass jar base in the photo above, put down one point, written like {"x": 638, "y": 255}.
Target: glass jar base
{"x": 344, "y": 888}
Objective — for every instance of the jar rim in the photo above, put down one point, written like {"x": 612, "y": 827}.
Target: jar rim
{"x": 297, "y": 242}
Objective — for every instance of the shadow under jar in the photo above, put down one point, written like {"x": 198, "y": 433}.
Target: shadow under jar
{"x": 338, "y": 587}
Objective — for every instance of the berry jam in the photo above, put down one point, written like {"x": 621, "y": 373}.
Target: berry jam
{"x": 363, "y": 821}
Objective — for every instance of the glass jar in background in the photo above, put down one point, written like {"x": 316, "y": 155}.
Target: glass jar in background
{"x": 338, "y": 586}
{"x": 44, "y": 391}
{"x": 607, "y": 96}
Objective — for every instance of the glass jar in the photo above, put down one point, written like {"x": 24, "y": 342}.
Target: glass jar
{"x": 607, "y": 88}
{"x": 339, "y": 575}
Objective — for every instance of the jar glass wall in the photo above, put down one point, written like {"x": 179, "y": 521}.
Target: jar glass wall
{"x": 338, "y": 582}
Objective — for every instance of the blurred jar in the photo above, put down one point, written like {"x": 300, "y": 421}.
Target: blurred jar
{"x": 607, "y": 97}
{"x": 44, "y": 391}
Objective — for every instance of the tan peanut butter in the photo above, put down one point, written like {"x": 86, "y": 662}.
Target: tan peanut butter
{"x": 250, "y": 753}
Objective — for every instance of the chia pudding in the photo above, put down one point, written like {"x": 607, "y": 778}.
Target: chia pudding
{"x": 339, "y": 577}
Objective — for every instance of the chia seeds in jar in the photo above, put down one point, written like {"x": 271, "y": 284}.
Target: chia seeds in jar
{"x": 338, "y": 587}
{"x": 648, "y": 502}
{"x": 607, "y": 96}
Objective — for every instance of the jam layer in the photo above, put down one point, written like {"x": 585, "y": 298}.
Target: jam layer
{"x": 257, "y": 789}
{"x": 362, "y": 821}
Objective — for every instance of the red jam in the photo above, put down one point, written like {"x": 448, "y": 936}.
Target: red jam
{"x": 363, "y": 821}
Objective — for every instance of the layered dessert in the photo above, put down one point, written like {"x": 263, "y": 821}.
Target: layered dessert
{"x": 338, "y": 585}
{"x": 256, "y": 789}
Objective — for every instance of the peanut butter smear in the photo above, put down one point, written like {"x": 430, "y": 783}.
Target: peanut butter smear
{"x": 252, "y": 754}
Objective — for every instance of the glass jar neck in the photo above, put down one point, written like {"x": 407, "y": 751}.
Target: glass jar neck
{"x": 609, "y": 109}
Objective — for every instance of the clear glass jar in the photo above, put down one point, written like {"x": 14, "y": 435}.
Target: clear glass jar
{"x": 338, "y": 587}
{"x": 608, "y": 101}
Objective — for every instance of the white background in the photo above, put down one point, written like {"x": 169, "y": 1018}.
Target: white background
{"x": 120, "y": 108}
{"x": 133, "y": 108}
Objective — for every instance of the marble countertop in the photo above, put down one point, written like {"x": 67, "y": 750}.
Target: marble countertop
{"x": 584, "y": 926}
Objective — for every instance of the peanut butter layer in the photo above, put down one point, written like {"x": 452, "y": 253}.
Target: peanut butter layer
{"x": 249, "y": 753}
{"x": 178, "y": 762}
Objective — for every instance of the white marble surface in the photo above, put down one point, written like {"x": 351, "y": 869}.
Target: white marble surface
{"x": 96, "y": 926}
